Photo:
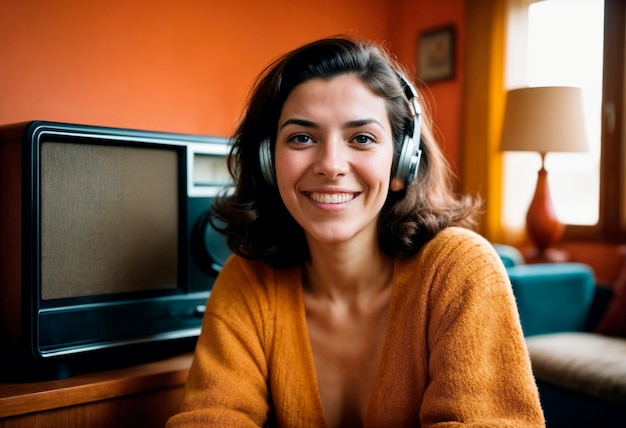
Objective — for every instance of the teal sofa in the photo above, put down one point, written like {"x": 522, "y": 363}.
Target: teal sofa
{"x": 581, "y": 375}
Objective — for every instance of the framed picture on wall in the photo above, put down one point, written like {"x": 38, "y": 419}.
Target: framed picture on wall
{"x": 436, "y": 52}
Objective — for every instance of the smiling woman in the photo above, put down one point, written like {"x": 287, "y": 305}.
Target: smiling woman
{"x": 356, "y": 295}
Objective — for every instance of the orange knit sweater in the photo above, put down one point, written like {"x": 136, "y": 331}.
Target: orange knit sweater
{"x": 453, "y": 355}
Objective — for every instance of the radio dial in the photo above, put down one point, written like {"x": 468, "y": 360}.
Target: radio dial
{"x": 211, "y": 246}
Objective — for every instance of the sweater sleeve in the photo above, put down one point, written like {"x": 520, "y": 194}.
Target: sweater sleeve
{"x": 479, "y": 369}
{"x": 227, "y": 382}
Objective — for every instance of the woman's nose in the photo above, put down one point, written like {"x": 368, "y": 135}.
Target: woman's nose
{"x": 332, "y": 159}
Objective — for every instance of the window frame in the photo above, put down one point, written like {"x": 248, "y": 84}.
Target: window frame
{"x": 611, "y": 226}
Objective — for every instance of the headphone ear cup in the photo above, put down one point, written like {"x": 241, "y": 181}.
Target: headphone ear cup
{"x": 266, "y": 162}
{"x": 406, "y": 172}
{"x": 410, "y": 152}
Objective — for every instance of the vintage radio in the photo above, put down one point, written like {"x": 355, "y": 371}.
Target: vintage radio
{"x": 105, "y": 252}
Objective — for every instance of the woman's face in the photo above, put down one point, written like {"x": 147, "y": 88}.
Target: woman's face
{"x": 334, "y": 152}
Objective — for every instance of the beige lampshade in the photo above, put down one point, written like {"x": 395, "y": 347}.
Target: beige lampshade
{"x": 544, "y": 119}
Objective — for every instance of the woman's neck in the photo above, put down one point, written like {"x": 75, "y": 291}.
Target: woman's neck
{"x": 347, "y": 271}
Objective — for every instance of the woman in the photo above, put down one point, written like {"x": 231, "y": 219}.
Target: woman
{"x": 356, "y": 296}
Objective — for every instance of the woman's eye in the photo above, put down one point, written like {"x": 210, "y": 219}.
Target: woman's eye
{"x": 363, "y": 139}
{"x": 301, "y": 139}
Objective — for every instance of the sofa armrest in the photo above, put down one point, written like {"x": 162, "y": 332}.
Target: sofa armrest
{"x": 509, "y": 255}
{"x": 552, "y": 297}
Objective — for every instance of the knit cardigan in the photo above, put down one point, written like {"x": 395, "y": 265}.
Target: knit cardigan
{"x": 453, "y": 355}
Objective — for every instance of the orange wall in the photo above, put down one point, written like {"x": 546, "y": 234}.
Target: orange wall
{"x": 186, "y": 66}
{"x": 410, "y": 17}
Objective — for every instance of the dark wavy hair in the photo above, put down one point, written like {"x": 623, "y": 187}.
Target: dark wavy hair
{"x": 253, "y": 216}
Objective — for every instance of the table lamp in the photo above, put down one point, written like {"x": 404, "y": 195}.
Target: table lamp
{"x": 544, "y": 119}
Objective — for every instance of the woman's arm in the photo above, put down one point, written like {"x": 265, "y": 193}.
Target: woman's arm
{"x": 479, "y": 369}
{"x": 227, "y": 383}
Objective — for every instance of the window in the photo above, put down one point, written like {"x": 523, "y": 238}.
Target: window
{"x": 594, "y": 208}
{"x": 562, "y": 46}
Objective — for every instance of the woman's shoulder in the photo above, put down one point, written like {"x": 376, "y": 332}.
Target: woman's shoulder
{"x": 455, "y": 250}
{"x": 458, "y": 242}
{"x": 453, "y": 266}
{"x": 236, "y": 266}
{"x": 253, "y": 279}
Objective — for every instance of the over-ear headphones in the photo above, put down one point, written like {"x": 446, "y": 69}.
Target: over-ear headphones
{"x": 410, "y": 153}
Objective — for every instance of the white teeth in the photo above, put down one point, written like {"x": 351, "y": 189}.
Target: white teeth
{"x": 335, "y": 198}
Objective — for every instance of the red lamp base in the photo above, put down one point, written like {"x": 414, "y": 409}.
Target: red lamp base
{"x": 542, "y": 224}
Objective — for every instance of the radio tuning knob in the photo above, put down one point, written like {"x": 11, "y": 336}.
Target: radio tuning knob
{"x": 199, "y": 311}
{"x": 210, "y": 246}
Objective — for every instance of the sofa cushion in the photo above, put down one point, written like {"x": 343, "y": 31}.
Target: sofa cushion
{"x": 586, "y": 362}
{"x": 552, "y": 297}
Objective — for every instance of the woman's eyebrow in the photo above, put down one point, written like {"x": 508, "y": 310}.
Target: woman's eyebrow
{"x": 362, "y": 122}
{"x": 350, "y": 124}
{"x": 300, "y": 122}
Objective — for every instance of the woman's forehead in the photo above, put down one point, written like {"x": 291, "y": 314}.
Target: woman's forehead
{"x": 343, "y": 97}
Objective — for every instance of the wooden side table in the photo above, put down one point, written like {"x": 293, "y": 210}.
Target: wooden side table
{"x": 145, "y": 395}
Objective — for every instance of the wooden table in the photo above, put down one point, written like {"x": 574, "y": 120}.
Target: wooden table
{"x": 140, "y": 396}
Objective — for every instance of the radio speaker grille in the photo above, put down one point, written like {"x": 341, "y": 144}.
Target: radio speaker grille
{"x": 109, "y": 219}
